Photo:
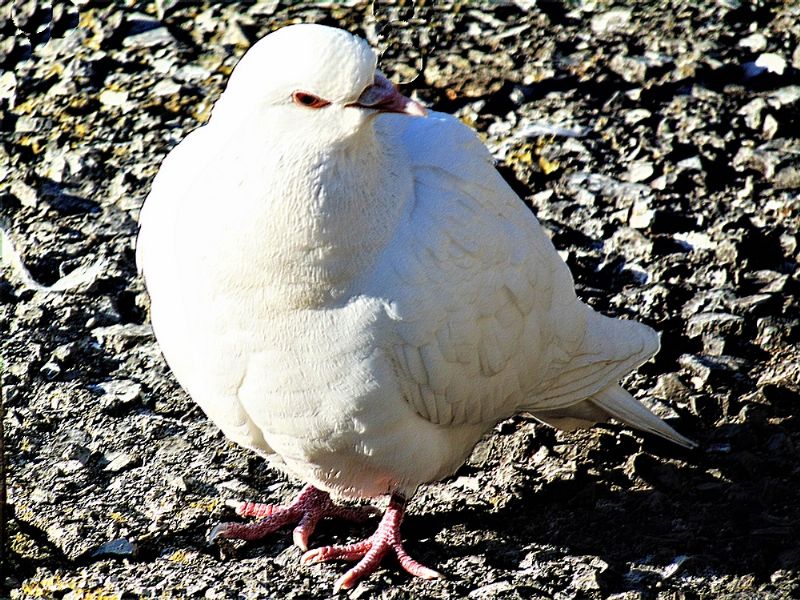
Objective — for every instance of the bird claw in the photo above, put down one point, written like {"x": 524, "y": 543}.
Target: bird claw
{"x": 300, "y": 537}
{"x": 218, "y": 531}
{"x": 306, "y": 510}
{"x": 370, "y": 552}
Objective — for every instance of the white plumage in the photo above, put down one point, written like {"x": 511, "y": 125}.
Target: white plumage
{"x": 358, "y": 294}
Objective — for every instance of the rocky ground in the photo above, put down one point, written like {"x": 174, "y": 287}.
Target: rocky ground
{"x": 657, "y": 141}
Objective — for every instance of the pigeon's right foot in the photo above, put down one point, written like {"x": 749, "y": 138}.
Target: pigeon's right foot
{"x": 370, "y": 552}
{"x": 306, "y": 510}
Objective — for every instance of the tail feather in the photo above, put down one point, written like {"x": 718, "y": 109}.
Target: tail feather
{"x": 619, "y": 404}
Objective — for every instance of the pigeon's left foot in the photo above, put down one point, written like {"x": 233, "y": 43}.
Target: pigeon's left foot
{"x": 306, "y": 510}
{"x": 371, "y": 551}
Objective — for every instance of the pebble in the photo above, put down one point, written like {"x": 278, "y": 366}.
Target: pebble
{"x": 118, "y": 461}
{"x": 118, "y": 392}
{"x": 642, "y": 216}
{"x": 25, "y": 193}
{"x": 166, "y": 87}
{"x": 632, "y": 69}
{"x": 693, "y": 163}
{"x": 769, "y": 131}
{"x": 752, "y": 112}
{"x": 146, "y": 32}
{"x": 119, "y": 548}
{"x": 772, "y": 62}
{"x": 491, "y": 590}
{"x": 636, "y": 115}
{"x": 696, "y": 240}
{"x": 611, "y": 21}
{"x": 755, "y": 42}
{"x": 114, "y": 99}
{"x": 640, "y": 171}
{"x": 785, "y": 96}
{"x": 724, "y": 324}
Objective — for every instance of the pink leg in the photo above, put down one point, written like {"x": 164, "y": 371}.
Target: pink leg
{"x": 306, "y": 510}
{"x": 370, "y": 552}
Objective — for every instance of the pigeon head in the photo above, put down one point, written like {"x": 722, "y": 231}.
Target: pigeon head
{"x": 313, "y": 79}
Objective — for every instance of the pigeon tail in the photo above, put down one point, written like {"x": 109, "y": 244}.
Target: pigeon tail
{"x": 619, "y": 404}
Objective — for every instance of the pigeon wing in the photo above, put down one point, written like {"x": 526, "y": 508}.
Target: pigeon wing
{"x": 486, "y": 313}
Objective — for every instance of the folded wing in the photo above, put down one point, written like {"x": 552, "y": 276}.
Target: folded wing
{"x": 488, "y": 320}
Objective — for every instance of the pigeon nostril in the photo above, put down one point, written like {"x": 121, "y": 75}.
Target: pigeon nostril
{"x": 309, "y": 100}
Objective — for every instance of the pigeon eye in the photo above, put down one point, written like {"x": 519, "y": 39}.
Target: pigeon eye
{"x": 308, "y": 100}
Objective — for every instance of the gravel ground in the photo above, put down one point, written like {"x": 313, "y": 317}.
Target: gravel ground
{"x": 656, "y": 141}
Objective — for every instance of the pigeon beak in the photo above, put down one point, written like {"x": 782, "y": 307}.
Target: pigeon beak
{"x": 382, "y": 96}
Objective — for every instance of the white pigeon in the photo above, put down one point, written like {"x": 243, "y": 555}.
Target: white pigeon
{"x": 346, "y": 286}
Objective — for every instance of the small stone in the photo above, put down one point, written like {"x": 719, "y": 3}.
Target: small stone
{"x": 752, "y": 112}
{"x": 671, "y": 569}
{"x": 120, "y": 548}
{"x": 704, "y": 369}
{"x": 761, "y": 160}
{"x": 362, "y": 590}
{"x": 68, "y": 467}
{"x": 611, "y": 21}
{"x": 754, "y": 302}
{"x": 50, "y": 370}
{"x": 231, "y": 485}
{"x": 491, "y": 590}
{"x": 789, "y": 243}
{"x": 623, "y": 193}
{"x": 589, "y": 577}
{"x": 713, "y": 345}
{"x": 787, "y": 178}
{"x": 769, "y": 130}
{"x": 640, "y": 171}
{"x": 142, "y": 37}
{"x": 772, "y": 62}
{"x": 696, "y": 240}
{"x": 114, "y": 99}
{"x": 724, "y": 324}
{"x": 785, "y": 96}
{"x": 769, "y": 282}
{"x": 117, "y": 461}
{"x": 670, "y": 387}
{"x": 81, "y": 278}
{"x": 129, "y": 330}
{"x": 471, "y": 484}
{"x": 26, "y": 194}
{"x": 8, "y": 87}
{"x": 586, "y": 581}
{"x": 636, "y": 115}
{"x": 632, "y": 69}
{"x": 642, "y": 216}
{"x": 663, "y": 181}
{"x": 693, "y": 163}
{"x": 120, "y": 391}
{"x": 234, "y": 35}
{"x": 166, "y": 87}
{"x": 41, "y": 495}
{"x": 191, "y": 73}
{"x": 755, "y": 42}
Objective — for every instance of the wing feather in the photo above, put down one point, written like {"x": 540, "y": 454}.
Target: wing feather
{"x": 488, "y": 321}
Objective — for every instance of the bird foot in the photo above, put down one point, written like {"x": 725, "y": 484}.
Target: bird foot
{"x": 370, "y": 552}
{"x": 305, "y": 510}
